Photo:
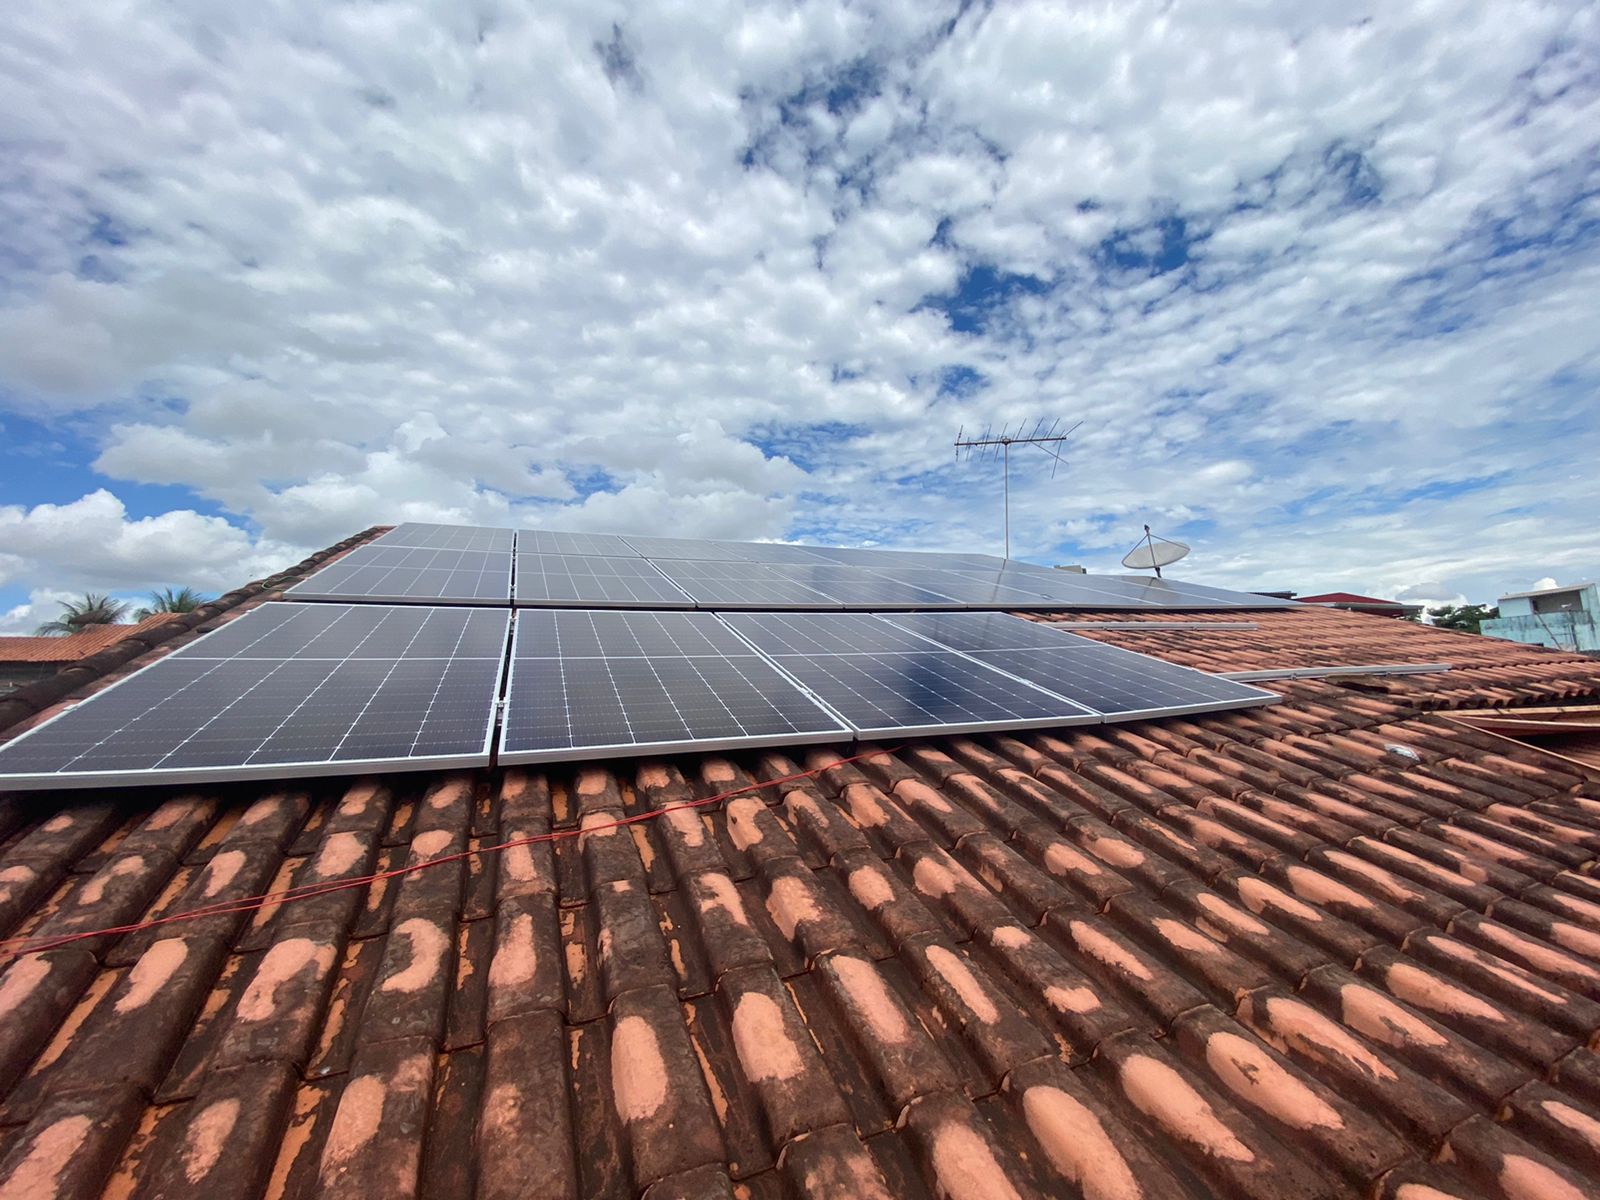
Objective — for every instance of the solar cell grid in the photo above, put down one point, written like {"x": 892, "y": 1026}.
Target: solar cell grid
{"x": 1063, "y": 587}
{"x": 929, "y": 691}
{"x": 743, "y": 585}
{"x": 988, "y": 631}
{"x": 778, "y": 552}
{"x": 876, "y": 559}
{"x": 592, "y": 580}
{"x": 447, "y": 537}
{"x": 1124, "y": 685}
{"x": 1116, "y": 682}
{"x": 557, "y": 541}
{"x": 685, "y": 548}
{"x": 391, "y": 574}
{"x": 723, "y": 569}
{"x": 1171, "y": 593}
{"x": 884, "y": 680}
{"x": 824, "y": 633}
{"x": 860, "y": 588}
{"x": 637, "y": 682}
{"x": 580, "y": 634}
{"x": 339, "y": 631}
{"x": 285, "y": 689}
{"x": 966, "y": 589}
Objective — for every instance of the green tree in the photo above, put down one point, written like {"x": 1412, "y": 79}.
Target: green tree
{"x": 171, "y": 600}
{"x": 1468, "y": 618}
{"x": 77, "y": 615}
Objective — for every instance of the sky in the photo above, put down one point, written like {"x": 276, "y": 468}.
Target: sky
{"x": 1319, "y": 280}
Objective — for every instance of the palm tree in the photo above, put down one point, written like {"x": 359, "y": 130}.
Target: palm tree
{"x": 79, "y": 615}
{"x": 171, "y": 600}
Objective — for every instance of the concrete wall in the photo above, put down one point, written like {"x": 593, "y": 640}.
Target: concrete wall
{"x": 1561, "y": 631}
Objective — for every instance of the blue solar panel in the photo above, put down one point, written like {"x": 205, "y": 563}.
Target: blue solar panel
{"x": 887, "y": 683}
{"x": 285, "y": 690}
{"x": 686, "y": 548}
{"x": 556, "y": 541}
{"x": 625, "y": 683}
{"x": 387, "y": 574}
{"x": 399, "y": 681}
{"x": 747, "y": 585}
{"x": 591, "y": 581}
{"x": 1117, "y": 683}
{"x": 447, "y": 537}
{"x": 854, "y": 587}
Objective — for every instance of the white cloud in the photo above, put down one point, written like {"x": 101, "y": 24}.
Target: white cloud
{"x": 21, "y": 620}
{"x": 669, "y": 270}
{"x": 92, "y": 545}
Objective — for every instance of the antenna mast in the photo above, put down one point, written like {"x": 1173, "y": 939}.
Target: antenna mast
{"x": 992, "y": 446}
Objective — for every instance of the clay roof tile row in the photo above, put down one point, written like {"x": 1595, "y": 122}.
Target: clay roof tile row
{"x": 1343, "y": 945}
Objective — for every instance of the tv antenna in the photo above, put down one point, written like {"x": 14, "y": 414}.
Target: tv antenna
{"x": 991, "y": 446}
{"x": 1153, "y": 553}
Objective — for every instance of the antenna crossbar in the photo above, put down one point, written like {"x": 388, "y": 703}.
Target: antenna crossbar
{"x": 999, "y": 446}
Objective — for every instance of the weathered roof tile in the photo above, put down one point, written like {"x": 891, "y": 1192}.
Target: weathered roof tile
{"x": 525, "y": 1140}
{"x": 1299, "y": 1108}
{"x": 1262, "y": 953}
{"x": 1500, "y": 1164}
{"x": 1217, "y": 1140}
{"x": 226, "y": 1139}
{"x": 777, "y": 1057}
{"x": 657, "y": 1089}
{"x": 904, "y": 1060}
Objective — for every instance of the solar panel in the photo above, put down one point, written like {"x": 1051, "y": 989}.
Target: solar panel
{"x": 447, "y": 537}
{"x": 1062, "y": 588}
{"x": 624, "y": 683}
{"x": 694, "y": 548}
{"x": 974, "y": 631}
{"x": 1118, "y": 683}
{"x": 1172, "y": 593}
{"x": 886, "y": 682}
{"x": 965, "y": 588}
{"x": 402, "y": 574}
{"x": 746, "y": 585}
{"x": 285, "y": 690}
{"x": 1070, "y": 589}
{"x": 556, "y": 541}
{"x": 884, "y": 559}
{"x": 777, "y": 552}
{"x": 592, "y": 582}
{"x": 854, "y": 587}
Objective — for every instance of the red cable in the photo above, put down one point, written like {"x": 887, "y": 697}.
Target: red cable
{"x": 21, "y": 945}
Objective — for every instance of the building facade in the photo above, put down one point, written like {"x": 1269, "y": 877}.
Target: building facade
{"x": 1563, "y": 618}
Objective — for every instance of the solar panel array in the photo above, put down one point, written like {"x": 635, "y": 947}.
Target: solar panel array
{"x": 574, "y": 645}
{"x": 469, "y": 565}
{"x": 285, "y": 690}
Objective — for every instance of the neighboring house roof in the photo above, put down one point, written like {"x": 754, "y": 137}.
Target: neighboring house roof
{"x": 1342, "y": 945}
{"x": 1549, "y": 591}
{"x": 77, "y": 646}
{"x": 1348, "y": 598}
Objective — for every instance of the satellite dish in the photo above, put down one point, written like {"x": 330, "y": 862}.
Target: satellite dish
{"x": 1153, "y": 553}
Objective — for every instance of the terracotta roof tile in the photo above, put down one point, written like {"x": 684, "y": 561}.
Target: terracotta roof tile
{"x": 1263, "y": 954}
{"x": 78, "y": 646}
